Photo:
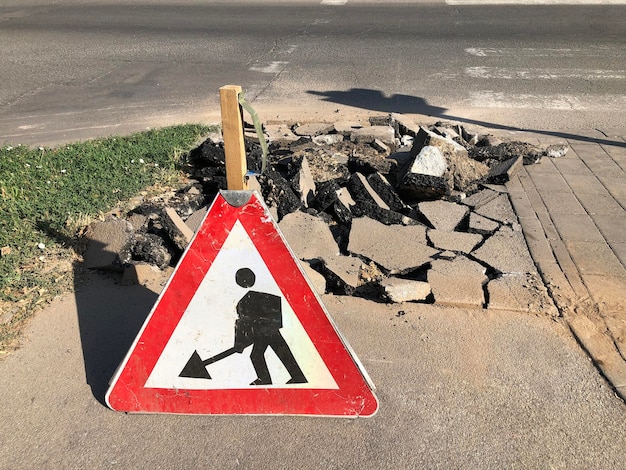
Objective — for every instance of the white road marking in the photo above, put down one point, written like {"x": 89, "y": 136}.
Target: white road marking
{"x": 550, "y": 74}
{"x": 273, "y": 67}
{"x": 494, "y": 99}
{"x": 591, "y": 51}
{"x": 334, "y": 2}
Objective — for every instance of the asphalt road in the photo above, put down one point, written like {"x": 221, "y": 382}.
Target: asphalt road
{"x": 75, "y": 69}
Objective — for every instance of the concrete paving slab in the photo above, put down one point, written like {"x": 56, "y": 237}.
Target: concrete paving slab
{"x": 458, "y": 282}
{"x": 479, "y": 224}
{"x": 499, "y": 209}
{"x": 405, "y": 290}
{"x": 576, "y": 227}
{"x": 612, "y": 227}
{"x": 454, "y": 241}
{"x": 443, "y": 215}
{"x": 547, "y": 182}
{"x": 506, "y": 251}
{"x": 586, "y": 184}
{"x": 563, "y": 203}
{"x": 520, "y": 292}
{"x": 308, "y": 236}
{"x": 600, "y": 204}
{"x": 397, "y": 248}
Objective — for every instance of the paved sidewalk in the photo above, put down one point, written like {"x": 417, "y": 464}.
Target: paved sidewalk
{"x": 573, "y": 214}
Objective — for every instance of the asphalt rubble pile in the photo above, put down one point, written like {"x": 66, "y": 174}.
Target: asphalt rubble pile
{"x": 389, "y": 211}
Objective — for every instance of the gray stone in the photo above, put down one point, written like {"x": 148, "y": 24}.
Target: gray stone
{"x": 429, "y": 161}
{"x": 520, "y": 292}
{"x": 195, "y": 219}
{"x": 308, "y": 236}
{"x": 556, "y": 150}
{"x": 313, "y": 129}
{"x": 503, "y": 171}
{"x": 482, "y": 225}
{"x": 381, "y": 146}
{"x": 443, "y": 215}
{"x": 399, "y": 249}
{"x": 405, "y": 290}
{"x": 369, "y": 134}
{"x": 179, "y": 233}
{"x": 454, "y": 241}
{"x": 406, "y": 126}
{"x": 328, "y": 139}
{"x": 150, "y": 248}
{"x": 507, "y": 252}
{"x": 498, "y": 209}
{"x": 304, "y": 183}
{"x": 344, "y": 197}
{"x": 109, "y": 244}
{"x": 418, "y": 187}
{"x": 458, "y": 282}
{"x": 427, "y": 138}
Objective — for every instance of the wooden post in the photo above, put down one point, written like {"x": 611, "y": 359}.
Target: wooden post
{"x": 232, "y": 129}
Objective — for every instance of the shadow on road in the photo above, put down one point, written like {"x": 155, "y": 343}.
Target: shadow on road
{"x": 375, "y": 100}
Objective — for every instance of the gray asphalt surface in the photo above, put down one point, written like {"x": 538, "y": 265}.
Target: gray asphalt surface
{"x": 457, "y": 389}
{"x": 76, "y": 69}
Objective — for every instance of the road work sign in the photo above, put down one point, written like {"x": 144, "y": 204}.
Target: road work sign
{"x": 239, "y": 330}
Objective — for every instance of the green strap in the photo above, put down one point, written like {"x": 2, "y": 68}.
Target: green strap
{"x": 257, "y": 126}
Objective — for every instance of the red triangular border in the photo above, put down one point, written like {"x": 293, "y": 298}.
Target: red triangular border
{"x": 127, "y": 392}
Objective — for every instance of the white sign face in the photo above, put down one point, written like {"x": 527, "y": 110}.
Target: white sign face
{"x": 211, "y": 326}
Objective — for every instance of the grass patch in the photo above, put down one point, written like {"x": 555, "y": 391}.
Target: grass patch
{"x": 47, "y": 193}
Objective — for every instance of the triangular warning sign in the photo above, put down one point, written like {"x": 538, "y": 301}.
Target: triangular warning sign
{"x": 239, "y": 330}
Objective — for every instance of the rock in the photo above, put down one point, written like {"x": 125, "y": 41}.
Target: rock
{"x": 109, "y": 244}
{"x": 5, "y": 251}
{"x": 328, "y": 139}
{"x": 506, "y": 252}
{"x": 304, "y": 184}
{"x": 361, "y": 191}
{"x": 502, "y": 172}
{"x": 458, "y": 282}
{"x": 313, "y": 129}
{"x": 151, "y": 249}
{"x": 326, "y": 196}
{"x": 369, "y": 134}
{"x": 454, "y": 241}
{"x": 426, "y": 138}
{"x": 308, "y": 236}
{"x": 443, "y": 215}
{"x": 195, "y": 219}
{"x": 368, "y": 164}
{"x": 419, "y": 187}
{"x": 479, "y": 224}
{"x": 381, "y": 146}
{"x": 385, "y": 191}
{"x": 405, "y": 125}
{"x": 179, "y": 233}
{"x": 556, "y": 150}
{"x": 405, "y": 290}
{"x": 277, "y": 192}
{"x": 399, "y": 249}
{"x": 429, "y": 161}
{"x": 385, "y": 216}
